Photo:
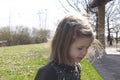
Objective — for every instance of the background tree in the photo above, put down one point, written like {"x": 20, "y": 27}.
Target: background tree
{"x": 82, "y": 7}
{"x": 101, "y": 18}
{"x": 23, "y": 35}
{"x": 5, "y": 35}
{"x": 40, "y": 35}
{"x": 111, "y": 16}
{"x": 116, "y": 29}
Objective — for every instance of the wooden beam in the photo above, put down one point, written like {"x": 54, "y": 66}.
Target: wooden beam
{"x": 97, "y": 3}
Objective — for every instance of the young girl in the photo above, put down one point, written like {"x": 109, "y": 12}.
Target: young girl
{"x": 69, "y": 46}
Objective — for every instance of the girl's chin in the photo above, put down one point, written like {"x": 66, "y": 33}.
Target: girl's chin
{"x": 78, "y": 60}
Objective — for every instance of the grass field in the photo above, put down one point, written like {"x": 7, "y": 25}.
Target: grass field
{"x": 21, "y": 62}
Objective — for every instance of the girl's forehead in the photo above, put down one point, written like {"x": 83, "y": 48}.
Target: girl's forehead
{"x": 83, "y": 41}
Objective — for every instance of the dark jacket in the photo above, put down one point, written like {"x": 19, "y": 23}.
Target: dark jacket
{"x": 54, "y": 71}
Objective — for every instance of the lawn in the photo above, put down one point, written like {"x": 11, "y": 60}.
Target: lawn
{"x": 21, "y": 62}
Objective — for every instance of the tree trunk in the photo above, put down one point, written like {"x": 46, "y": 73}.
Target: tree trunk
{"x": 108, "y": 37}
{"x": 101, "y": 24}
{"x": 96, "y": 25}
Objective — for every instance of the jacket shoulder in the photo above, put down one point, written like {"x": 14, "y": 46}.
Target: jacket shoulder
{"x": 46, "y": 72}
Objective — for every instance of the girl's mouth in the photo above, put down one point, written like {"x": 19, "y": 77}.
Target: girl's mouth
{"x": 79, "y": 58}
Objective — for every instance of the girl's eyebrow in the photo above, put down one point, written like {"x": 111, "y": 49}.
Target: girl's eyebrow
{"x": 81, "y": 46}
{"x": 84, "y": 46}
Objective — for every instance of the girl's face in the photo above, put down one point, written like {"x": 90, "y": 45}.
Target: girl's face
{"x": 79, "y": 48}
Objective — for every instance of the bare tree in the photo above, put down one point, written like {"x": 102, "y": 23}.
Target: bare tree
{"x": 116, "y": 29}
{"x": 101, "y": 18}
{"x": 96, "y": 8}
{"x": 40, "y": 35}
{"x": 109, "y": 12}
{"x": 82, "y": 7}
{"x": 111, "y": 17}
{"x": 74, "y": 4}
{"x": 5, "y": 35}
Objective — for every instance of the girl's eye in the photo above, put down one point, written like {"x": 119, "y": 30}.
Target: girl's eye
{"x": 80, "y": 48}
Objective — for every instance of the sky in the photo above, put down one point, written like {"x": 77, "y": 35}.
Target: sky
{"x": 30, "y": 13}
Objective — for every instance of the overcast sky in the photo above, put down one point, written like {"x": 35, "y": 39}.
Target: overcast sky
{"x": 25, "y": 12}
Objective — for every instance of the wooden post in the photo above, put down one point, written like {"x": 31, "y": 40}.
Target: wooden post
{"x": 101, "y": 24}
{"x": 101, "y": 18}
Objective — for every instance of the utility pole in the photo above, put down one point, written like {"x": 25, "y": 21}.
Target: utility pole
{"x": 45, "y": 19}
{"x": 9, "y": 40}
{"x": 40, "y": 18}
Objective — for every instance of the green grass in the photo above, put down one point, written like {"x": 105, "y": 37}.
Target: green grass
{"x": 89, "y": 72}
{"x": 22, "y": 62}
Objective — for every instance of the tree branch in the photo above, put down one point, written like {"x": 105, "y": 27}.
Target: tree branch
{"x": 71, "y": 5}
{"x": 63, "y": 6}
